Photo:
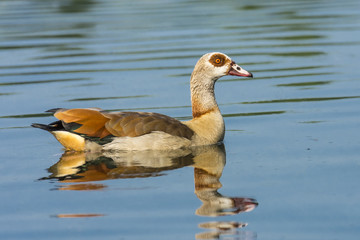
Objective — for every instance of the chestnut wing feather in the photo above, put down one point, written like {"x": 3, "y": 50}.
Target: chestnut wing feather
{"x": 97, "y": 123}
{"x": 91, "y": 121}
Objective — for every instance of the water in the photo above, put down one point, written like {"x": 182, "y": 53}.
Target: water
{"x": 292, "y": 139}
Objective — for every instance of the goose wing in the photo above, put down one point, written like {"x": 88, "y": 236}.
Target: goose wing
{"x": 98, "y": 123}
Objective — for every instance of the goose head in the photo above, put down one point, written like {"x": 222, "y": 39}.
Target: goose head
{"x": 215, "y": 65}
{"x": 207, "y": 71}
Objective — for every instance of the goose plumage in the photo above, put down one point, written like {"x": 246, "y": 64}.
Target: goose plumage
{"x": 92, "y": 129}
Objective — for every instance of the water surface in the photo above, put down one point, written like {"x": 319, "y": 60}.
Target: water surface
{"x": 289, "y": 166}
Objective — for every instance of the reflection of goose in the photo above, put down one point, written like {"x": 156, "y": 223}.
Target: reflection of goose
{"x": 209, "y": 166}
{"x": 94, "y": 129}
{"x": 208, "y": 162}
{"x": 82, "y": 167}
{"x": 229, "y": 229}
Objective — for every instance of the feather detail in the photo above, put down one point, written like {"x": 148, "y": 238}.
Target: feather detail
{"x": 97, "y": 123}
{"x": 134, "y": 124}
{"x": 92, "y": 121}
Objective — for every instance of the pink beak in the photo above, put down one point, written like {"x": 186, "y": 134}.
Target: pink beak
{"x": 236, "y": 70}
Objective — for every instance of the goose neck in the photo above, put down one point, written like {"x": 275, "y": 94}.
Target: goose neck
{"x": 202, "y": 95}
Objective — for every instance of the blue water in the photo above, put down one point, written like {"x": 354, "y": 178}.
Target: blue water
{"x": 292, "y": 141}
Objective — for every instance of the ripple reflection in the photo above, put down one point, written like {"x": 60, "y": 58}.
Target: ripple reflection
{"x": 78, "y": 171}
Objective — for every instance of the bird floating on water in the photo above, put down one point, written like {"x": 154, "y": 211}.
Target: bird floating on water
{"x": 93, "y": 129}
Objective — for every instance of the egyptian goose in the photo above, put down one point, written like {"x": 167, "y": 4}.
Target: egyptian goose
{"x": 93, "y": 129}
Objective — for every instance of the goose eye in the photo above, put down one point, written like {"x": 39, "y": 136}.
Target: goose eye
{"x": 217, "y": 60}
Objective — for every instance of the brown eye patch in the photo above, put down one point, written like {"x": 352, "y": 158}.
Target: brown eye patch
{"x": 218, "y": 60}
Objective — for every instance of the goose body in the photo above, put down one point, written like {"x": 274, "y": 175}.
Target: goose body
{"x": 93, "y": 129}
